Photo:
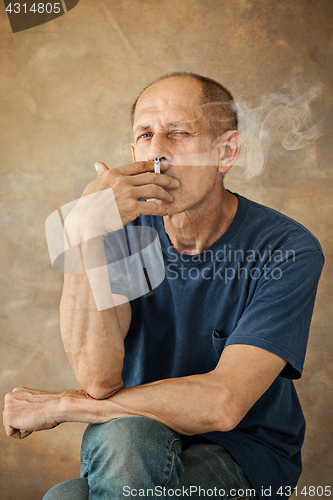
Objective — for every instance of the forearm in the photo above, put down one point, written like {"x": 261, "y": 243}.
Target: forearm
{"x": 93, "y": 339}
{"x": 188, "y": 405}
{"x": 214, "y": 401}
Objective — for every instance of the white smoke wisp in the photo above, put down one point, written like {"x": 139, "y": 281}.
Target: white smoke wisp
{"x": 284, "y": 116}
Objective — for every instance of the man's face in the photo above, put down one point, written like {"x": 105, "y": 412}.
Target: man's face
{"x": 169, "y": 123}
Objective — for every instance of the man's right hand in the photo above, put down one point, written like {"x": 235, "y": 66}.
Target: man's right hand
{"x": 133, "y": 183}
{"x": 115, "y": 197}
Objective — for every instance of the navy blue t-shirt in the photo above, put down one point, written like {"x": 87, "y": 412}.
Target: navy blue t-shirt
{"x": 256, "y": 285}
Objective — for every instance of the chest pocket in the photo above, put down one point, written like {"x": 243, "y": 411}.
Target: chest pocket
{"x": 219, "y": 342}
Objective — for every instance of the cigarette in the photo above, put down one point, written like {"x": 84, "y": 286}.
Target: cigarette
{"x": 157, "y": 165}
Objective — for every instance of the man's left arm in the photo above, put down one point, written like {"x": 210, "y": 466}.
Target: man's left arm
{"x": 214, "y": 401}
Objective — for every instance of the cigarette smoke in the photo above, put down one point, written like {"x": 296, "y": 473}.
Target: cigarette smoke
{"x": 284, "y": 116}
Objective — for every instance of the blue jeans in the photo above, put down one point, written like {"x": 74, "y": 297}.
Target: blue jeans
{"x": 137, "y": 457}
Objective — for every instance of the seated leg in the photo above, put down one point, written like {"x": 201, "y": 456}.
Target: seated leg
{"x": 124, "y": 456}
{"x": 128, "y": 454}
{"x": 75, "y": 489}
{"x": 211, "y": 472}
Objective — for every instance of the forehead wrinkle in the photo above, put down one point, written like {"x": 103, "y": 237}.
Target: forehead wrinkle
{"x": 182, "y": 122}
{"x": 163, "y": 104}
{"x": 175, "y": 123}
{"x": 142, "y": 127}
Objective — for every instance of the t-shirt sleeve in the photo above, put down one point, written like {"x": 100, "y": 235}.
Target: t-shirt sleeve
{"x": 278, "y": 315}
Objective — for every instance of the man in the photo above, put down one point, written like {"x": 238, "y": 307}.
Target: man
{"x": 209, "y": 407}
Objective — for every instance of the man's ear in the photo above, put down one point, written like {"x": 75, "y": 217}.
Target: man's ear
{"x": 133, "y": 151}
{"x": 229, "y": 150}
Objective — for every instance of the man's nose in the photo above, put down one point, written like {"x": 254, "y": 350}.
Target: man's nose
{"x": 158, "y": 147}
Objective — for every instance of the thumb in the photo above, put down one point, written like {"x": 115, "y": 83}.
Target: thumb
{"x": 100, "y": 168}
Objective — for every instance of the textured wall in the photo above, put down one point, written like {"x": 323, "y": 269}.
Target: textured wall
{"x": 66, "y": 89}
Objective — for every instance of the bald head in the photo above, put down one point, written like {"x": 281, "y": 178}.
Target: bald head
{"x": 216, "y": 101}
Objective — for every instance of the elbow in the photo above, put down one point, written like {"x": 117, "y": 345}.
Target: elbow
{"x": 227, "y": 415}
{"x": 224, "y": 422}
{"x": 100, "y": 390}
{"x": 98, "y": 385}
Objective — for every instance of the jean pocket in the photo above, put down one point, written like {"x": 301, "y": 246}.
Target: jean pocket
{"x": 218, "y": 342}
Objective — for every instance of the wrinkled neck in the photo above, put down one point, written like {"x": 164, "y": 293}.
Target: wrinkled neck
{"x": 194, "y": 230}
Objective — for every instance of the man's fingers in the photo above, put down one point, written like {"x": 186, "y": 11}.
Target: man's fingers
{"x": 23, "y": 389}
{"x": 139, "y": 167}
{"x": 28, "y": 390}
{"x": 152, "y": 191}
{"x": 25, "y": 434}
{"x": 151, "y": 207}
{"x": 11, "y": 432}
{"x": 16, "y": 433}
{"x": 100, "y": 168}
{"x": 165, "y": 181}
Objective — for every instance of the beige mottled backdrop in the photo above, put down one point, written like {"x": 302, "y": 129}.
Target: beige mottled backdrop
{"x": 66, "y": 91}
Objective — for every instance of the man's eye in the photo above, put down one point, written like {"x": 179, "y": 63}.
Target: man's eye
{"x": 145, "y": 136}
{"x": 179, "y": 133}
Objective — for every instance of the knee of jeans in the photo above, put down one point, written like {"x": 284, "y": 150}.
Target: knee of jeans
{"x": 74, "y": 489}
{"x": 138, "y": 435}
